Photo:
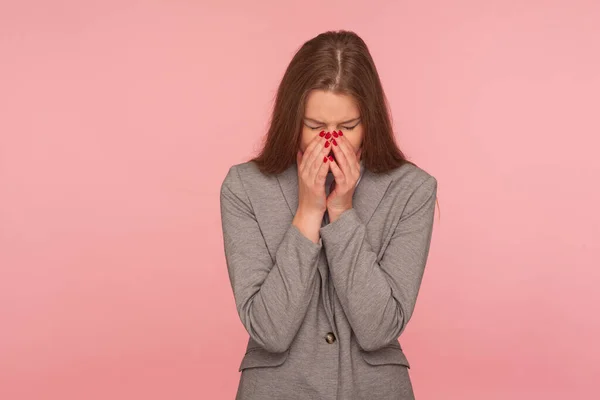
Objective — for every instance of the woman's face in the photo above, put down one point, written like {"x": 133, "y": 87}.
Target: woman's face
{"x": 328, "y": 111}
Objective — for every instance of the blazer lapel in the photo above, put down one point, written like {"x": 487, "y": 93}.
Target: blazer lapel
{"x": 369, "y": 193}
{"x": 288, "y": 181}
{"x": 366, "y": 198}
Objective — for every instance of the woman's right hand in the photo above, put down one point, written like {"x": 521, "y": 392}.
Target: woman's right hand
{"x": 312, "y": 171}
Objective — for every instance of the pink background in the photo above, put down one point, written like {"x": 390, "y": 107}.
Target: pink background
{"x": 119, "y": 120}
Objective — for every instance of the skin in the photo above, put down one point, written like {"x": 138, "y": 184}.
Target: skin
{"x": 327, "y": 111}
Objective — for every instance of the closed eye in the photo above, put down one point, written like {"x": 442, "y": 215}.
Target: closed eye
{"x": 313, "y": 127}
{"x": 349, "y": 128}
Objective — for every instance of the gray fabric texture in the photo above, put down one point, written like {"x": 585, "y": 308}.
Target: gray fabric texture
{"x": 360, "y": 282}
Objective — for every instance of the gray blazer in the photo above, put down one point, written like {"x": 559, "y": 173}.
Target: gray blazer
{"x": 324, "y": 318}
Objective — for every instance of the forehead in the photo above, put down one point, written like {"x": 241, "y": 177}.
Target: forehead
{"x": 328, "y": 106}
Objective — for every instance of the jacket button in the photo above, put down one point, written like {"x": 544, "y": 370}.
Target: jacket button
{"x": 330, "y": 337}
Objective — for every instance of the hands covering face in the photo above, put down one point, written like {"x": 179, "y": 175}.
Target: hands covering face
{"x": 345, "y": 166}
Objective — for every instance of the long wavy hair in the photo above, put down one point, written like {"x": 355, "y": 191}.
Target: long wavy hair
{"x": 337, "y": 61}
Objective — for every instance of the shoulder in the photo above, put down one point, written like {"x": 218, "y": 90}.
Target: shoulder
{"x": 244, "y": 175}
{"x": 413, "y": 181}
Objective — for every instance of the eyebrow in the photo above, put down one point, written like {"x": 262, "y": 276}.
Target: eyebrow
{"x": 323, "y": 123}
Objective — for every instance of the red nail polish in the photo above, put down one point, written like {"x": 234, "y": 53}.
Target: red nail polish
{"x": 340, "y": 133}
{"x": 324, "y": 159}
{"x": 334, "y": 142}
{"x": 322, "y": 133}
{"x": 331, "y": 158}
{"x": 335, "y": 134}
{"x": 326, "y": 144}
{"x": 328, "y": 135}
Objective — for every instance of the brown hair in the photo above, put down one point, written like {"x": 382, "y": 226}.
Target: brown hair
{"x": 340, "y": 62}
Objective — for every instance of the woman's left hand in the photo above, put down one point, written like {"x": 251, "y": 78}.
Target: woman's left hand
{"x": 346, "y": 171}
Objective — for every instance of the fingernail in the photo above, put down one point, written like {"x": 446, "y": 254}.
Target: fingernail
{"x": 340, "y": 133}
{"x": 335, "y": 134}
{"x": 324, "y": 159}
{"x": 322, "y": 133}
{"x": 328, "y": 135}
{"x": 334, "y": 142}
{"x": 331, "y": 158}
{"x": 326, "y": 144}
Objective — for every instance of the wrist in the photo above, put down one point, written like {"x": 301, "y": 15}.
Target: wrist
{"x": 334, "y": 213}
{"x": 309, "y": 223}
{"x": 309, "y": 215}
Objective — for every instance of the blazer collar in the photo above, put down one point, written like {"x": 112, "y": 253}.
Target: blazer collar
{"x": 367, "y": 195}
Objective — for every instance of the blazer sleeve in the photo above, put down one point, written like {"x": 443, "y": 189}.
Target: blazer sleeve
{"x": 379, "y": 297}
{"x": 271, "y": 294}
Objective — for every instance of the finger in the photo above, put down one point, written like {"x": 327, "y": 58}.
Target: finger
{"x": 338, "y": 174}
{"x": 340, "y": 157}
{"x": 322, "y": 172}
{"x": 348, "y": 150}
{"x": 313, "y": 146}
{"x": 349, "y": 162}
{"x": 315, "y": 151}
{"x": 320, "y": 159}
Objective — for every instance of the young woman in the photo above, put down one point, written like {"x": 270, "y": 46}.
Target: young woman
{"x": 326, "y": 235}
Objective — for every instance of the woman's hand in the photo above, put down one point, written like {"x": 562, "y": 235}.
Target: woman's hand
{"x": 312, "y": 171}
{"x": 346, "y": 171}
